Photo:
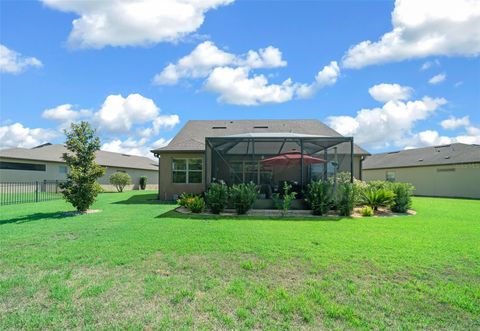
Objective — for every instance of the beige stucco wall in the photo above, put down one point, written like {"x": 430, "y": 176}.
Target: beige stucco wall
{"x": 464, "y": 181}
{"x": 52, "y": 172}
{"x": 167, "y": 188}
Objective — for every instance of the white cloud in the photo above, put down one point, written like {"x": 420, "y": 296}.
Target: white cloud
{"x": 16, "y": 135}
{"x": 433, "y": 138}
{"x": 134, "y": 147}
{"x": 14, "y": 63}
{"x": 231, "y": 76}
{"x": 437, "y": 79}
{"x": 389, "y": 125}
{"x": 420, "y": 29}
{"x": 236, "y": 87}
{"x": 119, "y": 114}
{"x": 327, "y": 76}
{"x": 207, "y": 56}
{"x": 428, "y": 64}
{"x": 133, "y": 22}
{"x": 454, "y": 123}
{"x": 269, "y": 57}
{"x": 65, "y": 114}
{"x": 387, "y": 92}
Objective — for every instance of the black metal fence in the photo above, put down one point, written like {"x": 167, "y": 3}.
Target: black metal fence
{"x": 23, "y": 192}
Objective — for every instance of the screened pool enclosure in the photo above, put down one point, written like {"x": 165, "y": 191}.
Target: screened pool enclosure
{"x": 270, "y": 159}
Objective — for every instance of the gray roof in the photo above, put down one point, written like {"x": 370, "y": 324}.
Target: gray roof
{"x": 436, "y": 155}
{"x": 54, "y": 152}
{"x": 192, "y": 136}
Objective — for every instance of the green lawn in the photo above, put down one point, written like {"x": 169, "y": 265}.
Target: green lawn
{"x": 130, "y": 267}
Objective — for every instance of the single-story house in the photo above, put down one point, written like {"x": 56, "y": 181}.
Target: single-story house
{"x": 45, "y": 162}
{"x": 266, "y": 152}
{"x": 445, "y": 171}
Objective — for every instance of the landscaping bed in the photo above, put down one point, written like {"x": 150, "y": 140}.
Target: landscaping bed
{"x": 381, "y": 212}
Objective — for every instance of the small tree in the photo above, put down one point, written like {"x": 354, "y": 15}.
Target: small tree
{"x": 81, "y": 187}
{"x": 120, "y": 180}
{"x": 143, "y": 182}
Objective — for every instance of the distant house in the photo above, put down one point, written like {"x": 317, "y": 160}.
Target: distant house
{"x": 45, "y": 162}
{"x": 447, "y": 171}
{"x": 239, "y": 151}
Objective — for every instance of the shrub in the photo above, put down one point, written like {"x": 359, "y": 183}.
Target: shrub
{"x": 375, "y": 198}
{"x": 403, "y": 197}
{"x": 346, "y": 196}
{"x": 184, "y": 197}
{"x": 217, "y": 197}
{"x": 284, "y": 203}
{"x": 143, "y": 182}
{"x": 344, "y": 177}
{"x": 195, "y": 204}
{"x": 319, "y": 196}
{"x": 81, "y": 187}
{"x": 367, "y": 211}
{"x": 243, "y": 197}
{"x": 379, "y": 184}
{"x": 120, "y": 180}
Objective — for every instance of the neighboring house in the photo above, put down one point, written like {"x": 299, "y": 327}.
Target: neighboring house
{"x": 445, "y": 171}
{"x": 234, "y": 151}
{"x": 45, "y": 162}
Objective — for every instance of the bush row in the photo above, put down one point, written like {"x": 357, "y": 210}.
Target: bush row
{"x": 320, "y": 197}
{"x": 219, "y": 196}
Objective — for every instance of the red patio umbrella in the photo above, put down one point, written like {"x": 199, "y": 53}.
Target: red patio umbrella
{"x": 292, "y": 157}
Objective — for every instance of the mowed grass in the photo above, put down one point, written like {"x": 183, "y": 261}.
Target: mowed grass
{"x": 132, "y": 266}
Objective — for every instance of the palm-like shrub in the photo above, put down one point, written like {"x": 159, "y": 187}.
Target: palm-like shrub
{"x": 367, "y": 211}
{"x": 120, "y": 180}
{"x": 403, "y": 197}
{"x": 319, "y": 197}
{"x": 377, "y": 197}
{"x": 217, "y": 197}
{"x": 243, "y": 197}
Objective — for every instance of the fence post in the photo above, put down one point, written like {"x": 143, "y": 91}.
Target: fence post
{"x": 56, "y": 186}
{"x": 36, "y": 191}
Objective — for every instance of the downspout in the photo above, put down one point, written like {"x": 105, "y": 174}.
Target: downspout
{"x": 351, "y": 160}
{"x": 361, "y": 167}
{"x": 158, "y": 189}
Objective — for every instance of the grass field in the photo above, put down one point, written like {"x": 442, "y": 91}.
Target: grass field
{"x": 132, "y": 266}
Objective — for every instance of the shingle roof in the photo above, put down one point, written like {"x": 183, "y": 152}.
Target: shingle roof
{"x": 192, "y": 136}
{"x": 53, "y": 153}
{"x": 438, "y": 155}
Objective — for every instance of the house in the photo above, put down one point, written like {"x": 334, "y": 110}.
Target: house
{"x": 446, "y": 171}
{"x": 237, "y": 151}
{"x": 45, "y": 162}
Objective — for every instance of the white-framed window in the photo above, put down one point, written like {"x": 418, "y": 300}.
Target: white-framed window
{"x": 187, "y": 171}
{"x": 390, "y": 176}
{"x": 62, "y": 169}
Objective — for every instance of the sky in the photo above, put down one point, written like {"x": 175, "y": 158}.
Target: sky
{"x": 393, "y": 75}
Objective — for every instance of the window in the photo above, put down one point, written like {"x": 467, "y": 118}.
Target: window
{"x": 187, "y": 171}
{"x": 63, "y": 169}
{"x": 22, "y": 166}
{"x": 390, "y": 176}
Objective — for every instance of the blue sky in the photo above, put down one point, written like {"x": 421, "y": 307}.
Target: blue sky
{"x": 52, "y": 74}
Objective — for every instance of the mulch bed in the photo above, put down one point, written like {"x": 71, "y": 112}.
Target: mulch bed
{"x": 297, "y": 213}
